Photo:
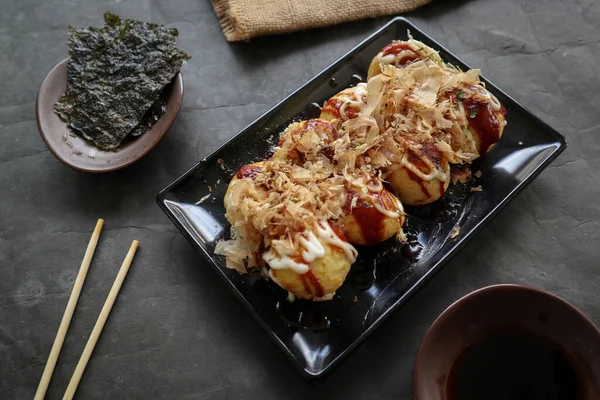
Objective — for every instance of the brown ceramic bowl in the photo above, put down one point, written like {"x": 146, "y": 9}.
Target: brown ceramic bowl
{"x": 487, "y": 310}
{"x": 81, "y": 154}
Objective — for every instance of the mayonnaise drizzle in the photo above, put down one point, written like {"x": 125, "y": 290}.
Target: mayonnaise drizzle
{"x": 496, "y": 106}
{"x": 394, "y": 58}
{"x": 492, "y": 99}
{"x": 374, "y": 188}
{"x": 435, "y": 172}
{"x": 360, "y": 94}
{"x": 313, "y": 249}
{"x": 327, "y": 235}
{"x": 399, "y": 211}
{"x": 283, "y": 261}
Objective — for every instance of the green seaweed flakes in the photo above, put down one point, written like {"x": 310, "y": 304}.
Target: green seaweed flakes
{"x": 115, "y": 77}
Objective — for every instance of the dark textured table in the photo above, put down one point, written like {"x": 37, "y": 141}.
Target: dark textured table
{"x": 176, "y": 331}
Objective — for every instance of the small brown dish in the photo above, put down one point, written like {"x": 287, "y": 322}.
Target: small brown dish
{"x": 509, "y": 342}
{"x": 81, "y": 154}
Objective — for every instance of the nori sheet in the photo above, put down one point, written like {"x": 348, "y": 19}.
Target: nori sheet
{"x": 153, "y": 114}
{"x": 115, "y": 77}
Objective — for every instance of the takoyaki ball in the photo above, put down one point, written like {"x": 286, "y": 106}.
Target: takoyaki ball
{"x": 346, "y": 104}
{"x": 305, "y": 139}
{"x": 399, "y": 53}
{"x": 317, "y": 279}
{"x": 248, "y": 171}
{"x": 242, "y": 191}
{"x": 324, "y": 276}
{"x": 372, "y": 215}
{"x": 480, "y": 114}
{"x": 422, "y": 177}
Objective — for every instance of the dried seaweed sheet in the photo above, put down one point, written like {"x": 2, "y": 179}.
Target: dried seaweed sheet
{"x": 115, "y": 76}
{"x": 156, "y": 110}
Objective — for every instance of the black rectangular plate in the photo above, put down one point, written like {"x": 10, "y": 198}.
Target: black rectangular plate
{"x": 316, "y": 336}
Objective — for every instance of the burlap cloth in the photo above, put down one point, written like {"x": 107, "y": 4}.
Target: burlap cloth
{"x": 245, "y": 19}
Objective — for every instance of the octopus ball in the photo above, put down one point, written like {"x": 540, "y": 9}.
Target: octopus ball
{"x": 400, "y": 53}
{"x": 248, "y": 171}
{"x": 324, "y": 276}
{"x": 345, "y": 105}
{"x": 372, "y": 218}
{"x": 306, "y": 137}
{"x": 422, "y": 179}
{"x": 482, "y": 114}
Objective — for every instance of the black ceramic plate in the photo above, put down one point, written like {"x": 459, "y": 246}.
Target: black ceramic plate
{"x": 316, "y": 336}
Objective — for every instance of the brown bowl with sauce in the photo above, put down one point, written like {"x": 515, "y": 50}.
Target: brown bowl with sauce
{"x": 81, "y": 154}
{"x": 509, "y": 342}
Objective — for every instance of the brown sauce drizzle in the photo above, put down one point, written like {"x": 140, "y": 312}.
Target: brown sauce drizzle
{"x": 305, "y": 283}
{"x": 415, "y": 160}
{"x": 303, "y": 277}
{"x": 415, "y": 178}
{"x": 484, "y": 123}
{"x": 333, "y": 106}
{"x": 248, "y": 171}
{"x": 308, "y": 279}
{"x": 396, "y": 48}
{"x": 310, "y": 276}
{"x": 429, "y": 151}
{"x": 368, "y": 218}
{"x": 433, "y": 154}
{"x": 336, "y": 229}
{"x": 482, "y": 118}
{"x": 351, "y": 112}
{"x": 386, "y": 201}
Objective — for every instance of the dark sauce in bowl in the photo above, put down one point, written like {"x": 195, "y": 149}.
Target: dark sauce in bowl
{"x": 513, "y": 365}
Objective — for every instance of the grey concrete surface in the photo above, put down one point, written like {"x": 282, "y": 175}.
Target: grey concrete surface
{"x": 176, "y": 332}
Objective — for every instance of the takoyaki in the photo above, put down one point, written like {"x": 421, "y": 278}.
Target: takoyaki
{"x": 399, "y": 53}
{"x": 297, "y": 214}
{"x": 422, "y": 176}
{"x": 346, "y": 104}
{"x": 306, "y": 139}
{"x": 279, "y": 221}
{"x": 318, "y": 265}
{"x": 372, "y": 214}
{"x": 479, "y": 115}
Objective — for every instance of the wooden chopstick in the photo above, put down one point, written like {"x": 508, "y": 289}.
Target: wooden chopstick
{"x": 110, "y": 300}
{"x": 66, "y": 319}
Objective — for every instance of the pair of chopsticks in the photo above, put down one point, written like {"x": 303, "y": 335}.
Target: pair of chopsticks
{"x": 66, "y": 319}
